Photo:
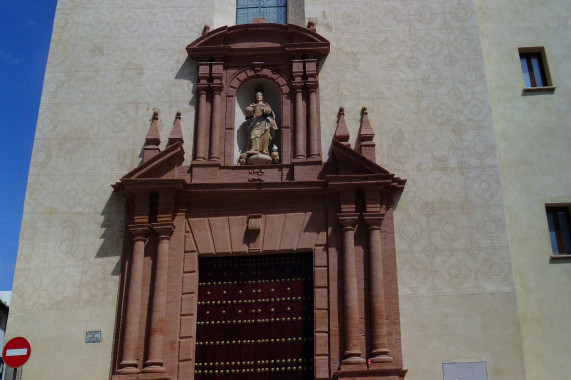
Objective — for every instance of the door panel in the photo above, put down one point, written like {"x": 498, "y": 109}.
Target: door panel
{"x": 255, "y": 317}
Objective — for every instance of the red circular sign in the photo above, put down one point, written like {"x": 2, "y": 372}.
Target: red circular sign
{"x": 16, "y": 352}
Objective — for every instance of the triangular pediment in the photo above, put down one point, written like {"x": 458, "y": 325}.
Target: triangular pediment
{"x": 163, "y": 165}
{"x": 353, "y": 165}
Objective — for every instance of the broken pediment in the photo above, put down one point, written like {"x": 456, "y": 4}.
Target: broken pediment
{"x": 259, "y": 40}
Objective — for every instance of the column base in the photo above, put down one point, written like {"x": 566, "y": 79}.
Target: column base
{"x": 128, "y": 368}
{"x": 353, "y": 363}
{"x": 306, "y": 169}
{"x": 205, "y": 171}
{"x": 380, "y": 355}
{"x": 142, "y": 376}
{"x": 373, "y": 374}
{"x": 381, "y": 359}
{"x": 154, "y": 368}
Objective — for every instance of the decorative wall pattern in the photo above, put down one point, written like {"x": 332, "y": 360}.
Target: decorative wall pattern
{"x": 418, "y": 67}
{"x": 110, "y": 65}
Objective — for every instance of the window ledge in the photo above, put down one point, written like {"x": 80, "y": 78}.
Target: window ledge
{"x": 560, "y": 257}
{"x": 549, "y": 89}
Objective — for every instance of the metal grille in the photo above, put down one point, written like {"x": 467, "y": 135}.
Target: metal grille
{"x": 255, "y": 318}
{"x": 272, "y": 10}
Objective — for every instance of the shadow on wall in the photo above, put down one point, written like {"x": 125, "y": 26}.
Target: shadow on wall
{"x": 113, "y": 230}
{"x": 187, "y": 72}
{"x": 114, "y": 225}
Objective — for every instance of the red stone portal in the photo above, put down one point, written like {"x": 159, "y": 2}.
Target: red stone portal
{"x": 340, "y": 213}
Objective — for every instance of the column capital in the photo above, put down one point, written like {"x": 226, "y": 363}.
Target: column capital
{"x": 312, "y": 86}
{"x": 348, "y": 220}
{"x": 164, "y": 230}
{"x": 216, "y": 88}
{"x": 373, "y": 219}
{"x": 139, "y": 231}
{"x": 202, "y": 88}
{"x": 298, "y": 86}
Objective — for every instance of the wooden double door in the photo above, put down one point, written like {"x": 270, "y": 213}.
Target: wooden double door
{"x": 255, "y": 317}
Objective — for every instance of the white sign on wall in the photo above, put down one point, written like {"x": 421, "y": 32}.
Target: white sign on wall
{"x": 465, "y": 371}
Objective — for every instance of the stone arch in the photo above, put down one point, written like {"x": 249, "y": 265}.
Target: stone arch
{"x": 248, "y": 73}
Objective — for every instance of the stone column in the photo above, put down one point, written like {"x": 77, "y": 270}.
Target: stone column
{"x": 352, "y": 353}
{"x": 129, "y": 363}
{"x": 380, "y": 350}
{"x": 313, "y": 138}
{"x": 215, "y": 130}
{"x": 299, "y": 123}
{"x": 201, "y": 125}
{"x": 154, "y": 361}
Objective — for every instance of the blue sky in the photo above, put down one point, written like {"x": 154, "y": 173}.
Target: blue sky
{"x": 25, "y": 32}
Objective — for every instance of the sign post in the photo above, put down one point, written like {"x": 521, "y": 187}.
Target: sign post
{"x": 16, "y": 352}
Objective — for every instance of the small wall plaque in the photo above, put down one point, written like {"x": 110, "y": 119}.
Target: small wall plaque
{"x": 93, "y": 337}
{"x": 465, "y": 371}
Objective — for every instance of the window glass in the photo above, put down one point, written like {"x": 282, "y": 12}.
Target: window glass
{"x": 537, "y": 71}
{"x": 525, "y": 71}
{"x": 272, "y": 10}
{"x": 559, "y": 225}
{"x": 552, "y": 234}
{"x": 533, "y": 69}
{"x": 564, "y": 223}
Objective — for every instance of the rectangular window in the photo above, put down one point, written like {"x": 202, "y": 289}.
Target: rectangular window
{"x": 559, "y": 224}
{"x": 271, "y": 10}
{"x": 534, "y": 68}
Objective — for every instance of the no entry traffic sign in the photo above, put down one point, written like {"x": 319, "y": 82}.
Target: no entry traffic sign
{"x": 16, "y": 352}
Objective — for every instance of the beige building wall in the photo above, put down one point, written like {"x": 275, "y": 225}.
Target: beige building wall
{"x": 534, "y": 139}
{"x": 416, "y": 65}
{"x": 419, "y": 68}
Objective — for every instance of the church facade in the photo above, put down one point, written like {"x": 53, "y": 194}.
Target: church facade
{"x": 300, "y": 189}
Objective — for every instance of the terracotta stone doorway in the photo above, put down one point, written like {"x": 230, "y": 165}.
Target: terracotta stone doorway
{"x": 255, "y": 317}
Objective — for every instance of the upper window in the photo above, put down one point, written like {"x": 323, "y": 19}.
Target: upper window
{"x": 559, "y": 229}
{"x": 534, "y": 68}
{"x": 270, "y": 10}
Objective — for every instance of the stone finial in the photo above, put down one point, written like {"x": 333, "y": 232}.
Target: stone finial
{"x": 153, "y": 138}
{"x": 366, "y": 135}
{"x": 176, "y": 132}
{"x": 342, "y": 132}
{"x": 312, "y": 24}
{"x": 206, "y": 29}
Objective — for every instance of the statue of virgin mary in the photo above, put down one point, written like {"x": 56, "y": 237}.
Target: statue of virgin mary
{"x": 262, "y": 126}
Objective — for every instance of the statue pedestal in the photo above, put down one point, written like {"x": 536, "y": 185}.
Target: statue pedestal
{"x": 259, "y": 159}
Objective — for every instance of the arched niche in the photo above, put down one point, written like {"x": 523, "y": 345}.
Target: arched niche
{"x": 246, "y": 96}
